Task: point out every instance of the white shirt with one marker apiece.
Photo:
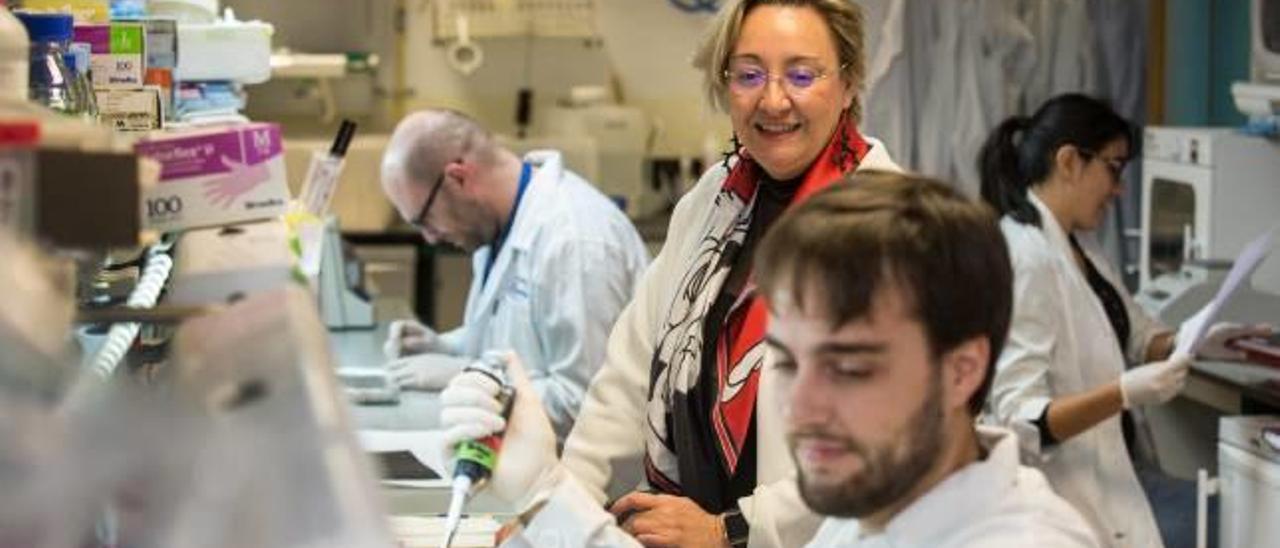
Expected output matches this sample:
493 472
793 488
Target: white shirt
992 503
995 502
570 264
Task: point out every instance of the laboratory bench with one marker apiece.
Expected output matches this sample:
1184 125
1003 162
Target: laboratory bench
416 411
1185 431
1235 388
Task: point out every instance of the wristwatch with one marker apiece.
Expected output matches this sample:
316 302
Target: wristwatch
736 528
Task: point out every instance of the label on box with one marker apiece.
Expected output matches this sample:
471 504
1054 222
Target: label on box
136 109
118 53
87 11
215 177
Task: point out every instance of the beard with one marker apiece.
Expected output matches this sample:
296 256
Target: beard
888 473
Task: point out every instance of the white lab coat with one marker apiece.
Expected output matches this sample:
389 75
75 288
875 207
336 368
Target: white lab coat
995 502
570 264
1061 343
605 448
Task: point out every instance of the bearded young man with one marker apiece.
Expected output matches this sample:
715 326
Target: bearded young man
889 299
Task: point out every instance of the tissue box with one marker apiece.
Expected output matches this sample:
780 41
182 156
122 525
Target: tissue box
216 176
118 53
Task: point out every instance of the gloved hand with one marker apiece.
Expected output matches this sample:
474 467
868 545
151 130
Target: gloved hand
527 464
1214 346
425 371
1155 382
409 337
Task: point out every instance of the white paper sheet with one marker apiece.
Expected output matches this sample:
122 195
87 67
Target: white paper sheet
1241 271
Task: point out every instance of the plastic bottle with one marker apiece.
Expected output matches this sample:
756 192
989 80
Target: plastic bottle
52 83
14 57
79 68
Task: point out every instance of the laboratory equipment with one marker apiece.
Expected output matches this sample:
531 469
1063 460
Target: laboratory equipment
78 66
621 136
322 177
344 302
1205 194
475 460
185 11
1265 34
15 57
369 386
1249 481
128 9
225 49
50 81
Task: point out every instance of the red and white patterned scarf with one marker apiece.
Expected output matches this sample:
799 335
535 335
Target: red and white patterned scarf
677 360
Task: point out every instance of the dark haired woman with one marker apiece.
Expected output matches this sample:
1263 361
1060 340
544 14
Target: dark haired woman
1065 368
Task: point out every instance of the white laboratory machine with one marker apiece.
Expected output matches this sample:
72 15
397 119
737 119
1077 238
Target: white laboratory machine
620 137
1249 481
1206 192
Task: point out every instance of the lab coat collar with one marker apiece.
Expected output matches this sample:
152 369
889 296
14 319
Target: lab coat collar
1053 231
966 496
548 167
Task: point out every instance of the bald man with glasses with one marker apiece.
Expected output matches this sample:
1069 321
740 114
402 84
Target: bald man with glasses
553 259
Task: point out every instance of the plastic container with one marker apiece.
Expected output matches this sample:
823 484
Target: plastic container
128 9
226 50
15 48
52 83
185 11
78 64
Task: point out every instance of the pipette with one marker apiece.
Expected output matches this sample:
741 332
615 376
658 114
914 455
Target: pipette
476 459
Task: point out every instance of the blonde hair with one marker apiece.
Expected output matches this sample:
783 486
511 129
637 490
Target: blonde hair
843 17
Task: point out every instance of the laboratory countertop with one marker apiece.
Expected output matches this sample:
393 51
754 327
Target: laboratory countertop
362 348
1225 384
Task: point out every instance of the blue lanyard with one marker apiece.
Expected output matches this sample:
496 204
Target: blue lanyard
526 175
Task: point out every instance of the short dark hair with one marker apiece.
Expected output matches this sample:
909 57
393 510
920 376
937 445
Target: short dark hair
944 252
1019 152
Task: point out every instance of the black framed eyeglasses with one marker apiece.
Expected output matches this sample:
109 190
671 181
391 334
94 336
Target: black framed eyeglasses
1114 165
419 220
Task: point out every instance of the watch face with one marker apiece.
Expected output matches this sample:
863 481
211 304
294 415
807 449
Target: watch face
736 528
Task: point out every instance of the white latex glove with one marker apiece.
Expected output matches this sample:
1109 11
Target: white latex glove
1214 346
1155 382
425 371
408 337
527 464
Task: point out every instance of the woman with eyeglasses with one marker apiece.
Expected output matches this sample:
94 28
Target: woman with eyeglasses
687 359
1065 377
677 394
